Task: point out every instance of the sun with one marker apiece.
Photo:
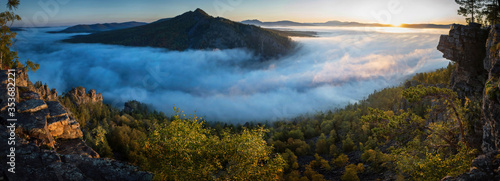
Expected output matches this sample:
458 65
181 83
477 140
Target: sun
396 24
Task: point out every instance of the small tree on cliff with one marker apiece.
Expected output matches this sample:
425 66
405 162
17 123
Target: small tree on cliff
470 7
9 58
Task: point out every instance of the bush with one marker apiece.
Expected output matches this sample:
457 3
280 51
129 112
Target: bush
351 172
348 145
322 146
376 158
186 150
296 134
319 162
333 150
340 161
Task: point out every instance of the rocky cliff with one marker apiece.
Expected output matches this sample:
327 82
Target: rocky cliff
476 54
47 141
79 96
465 46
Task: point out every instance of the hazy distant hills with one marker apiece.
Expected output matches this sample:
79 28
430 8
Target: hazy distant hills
196 30
160 20
276 23
100 27
16 29
339 23
425 26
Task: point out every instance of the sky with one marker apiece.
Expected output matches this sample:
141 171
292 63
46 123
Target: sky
41 13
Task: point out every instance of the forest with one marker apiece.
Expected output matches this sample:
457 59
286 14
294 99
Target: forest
419 130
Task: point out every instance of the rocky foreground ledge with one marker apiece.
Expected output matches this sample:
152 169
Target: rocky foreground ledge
45 143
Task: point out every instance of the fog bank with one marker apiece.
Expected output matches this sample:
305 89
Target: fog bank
341 66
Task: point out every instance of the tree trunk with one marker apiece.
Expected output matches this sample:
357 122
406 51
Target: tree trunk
472 9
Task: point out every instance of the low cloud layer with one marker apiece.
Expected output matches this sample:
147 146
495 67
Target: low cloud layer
341 66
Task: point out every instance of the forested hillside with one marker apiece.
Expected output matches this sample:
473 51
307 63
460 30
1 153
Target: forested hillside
92 28
198 30
401 132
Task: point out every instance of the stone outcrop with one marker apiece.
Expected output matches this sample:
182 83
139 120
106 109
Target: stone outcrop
35 163
75 147
465 46
46 93
43 91
39 120
491 98
31 106
478 72
60 124
48 140
79 96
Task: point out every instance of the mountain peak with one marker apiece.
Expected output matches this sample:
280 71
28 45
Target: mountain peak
197 30
200 11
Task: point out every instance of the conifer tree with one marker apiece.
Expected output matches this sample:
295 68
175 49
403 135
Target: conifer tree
470 7
9 58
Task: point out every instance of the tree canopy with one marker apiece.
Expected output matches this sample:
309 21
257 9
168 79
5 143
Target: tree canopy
480 11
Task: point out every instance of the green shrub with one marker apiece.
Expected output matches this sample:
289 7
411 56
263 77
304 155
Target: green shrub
351 172
340 161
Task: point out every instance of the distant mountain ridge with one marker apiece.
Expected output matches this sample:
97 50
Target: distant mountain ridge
196 30
339 23
92 28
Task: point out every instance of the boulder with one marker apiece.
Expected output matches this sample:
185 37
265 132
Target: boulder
56 109
34 126
64 128
59 123
29 95
34 163
75 147
31 106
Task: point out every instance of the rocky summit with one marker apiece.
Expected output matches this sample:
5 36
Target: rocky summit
48 140
79 96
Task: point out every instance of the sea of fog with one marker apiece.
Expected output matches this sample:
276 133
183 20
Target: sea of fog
341 66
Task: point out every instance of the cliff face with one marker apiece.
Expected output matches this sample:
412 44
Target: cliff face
476 54
491 98
48 141
465 46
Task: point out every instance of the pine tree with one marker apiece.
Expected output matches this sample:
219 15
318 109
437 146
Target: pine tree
492 11
9 58
470 7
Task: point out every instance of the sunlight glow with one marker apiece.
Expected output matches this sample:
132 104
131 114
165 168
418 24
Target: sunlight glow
397 24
